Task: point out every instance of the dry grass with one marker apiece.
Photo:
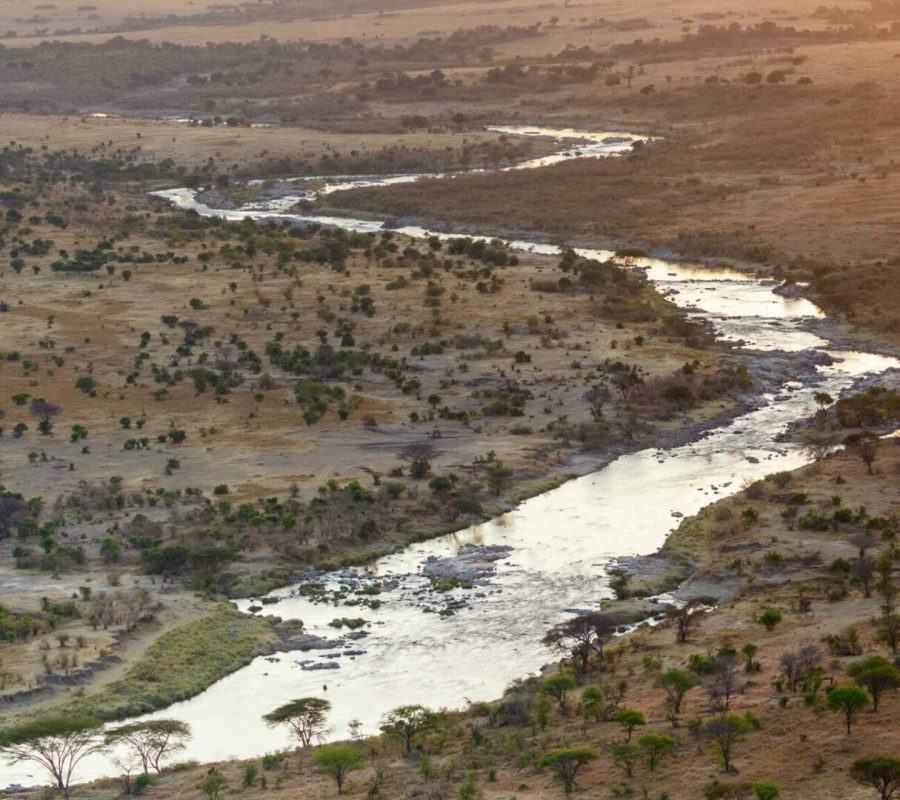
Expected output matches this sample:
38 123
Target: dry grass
181 663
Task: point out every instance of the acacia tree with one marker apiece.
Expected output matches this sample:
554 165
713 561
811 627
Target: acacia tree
305 717
676 683
405 722
629 719
558 686
151 741
876 674
581 637
593 702
57 743
882 773
627 381
725 731
419 456
656 747
45 413
567 763
625 755
848 700
338 760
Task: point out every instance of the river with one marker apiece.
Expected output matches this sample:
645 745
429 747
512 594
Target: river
562 541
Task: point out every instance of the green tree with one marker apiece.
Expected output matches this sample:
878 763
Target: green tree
79 432
877 675
749 651
499 476
766 791
882 773
405 722
305 717
110 551
212 783
593 702
724 732
338 760
629 719
567 762
676 683
248 774
770 617
56 743
87 385
558 686
540 711
656 747
625 756
848 700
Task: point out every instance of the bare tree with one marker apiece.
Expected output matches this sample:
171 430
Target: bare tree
684 618
596 397
12 511
725 682
797 666
419 455
863 570
865 444
45 412
815 443
863 541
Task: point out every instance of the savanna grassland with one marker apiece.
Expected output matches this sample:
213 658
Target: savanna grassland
194 409
209 406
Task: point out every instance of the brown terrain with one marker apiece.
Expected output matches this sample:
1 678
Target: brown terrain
240 401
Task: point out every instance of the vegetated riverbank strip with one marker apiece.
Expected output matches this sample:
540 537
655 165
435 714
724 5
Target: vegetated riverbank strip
179 665
767 370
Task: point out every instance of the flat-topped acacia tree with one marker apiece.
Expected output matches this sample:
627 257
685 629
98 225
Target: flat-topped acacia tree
567 763
151 741
56 743
882 773
405 722
305 717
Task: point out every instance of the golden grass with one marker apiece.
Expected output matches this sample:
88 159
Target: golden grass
180 664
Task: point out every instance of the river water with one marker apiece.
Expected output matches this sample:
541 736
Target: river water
562 541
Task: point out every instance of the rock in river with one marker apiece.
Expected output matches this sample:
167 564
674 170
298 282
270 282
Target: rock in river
471 563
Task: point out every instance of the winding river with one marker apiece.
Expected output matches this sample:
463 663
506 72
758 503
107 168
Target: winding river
562 542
